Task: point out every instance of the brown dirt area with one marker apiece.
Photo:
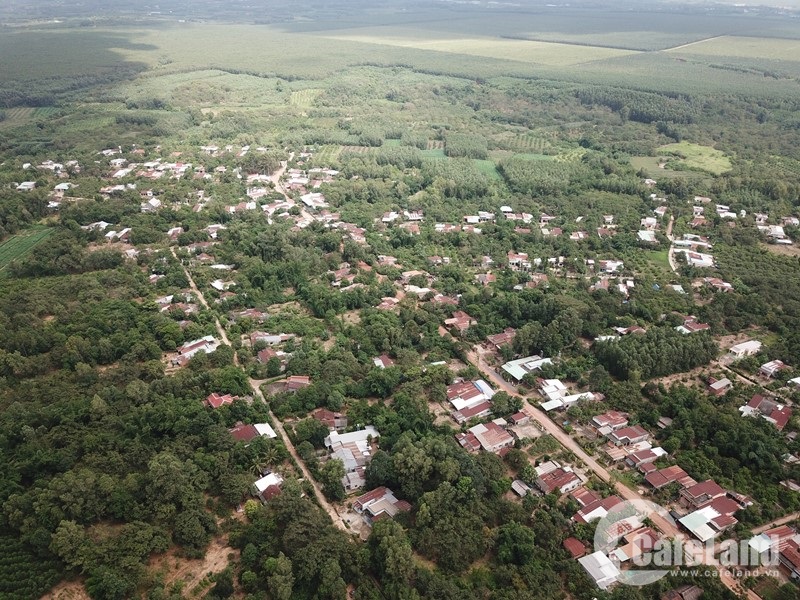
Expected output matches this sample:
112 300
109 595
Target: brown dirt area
192 571
782 250
67 590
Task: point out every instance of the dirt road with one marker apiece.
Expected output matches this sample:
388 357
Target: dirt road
256 385
668 528
323 502
781 521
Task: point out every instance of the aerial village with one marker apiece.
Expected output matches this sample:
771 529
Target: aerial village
500 390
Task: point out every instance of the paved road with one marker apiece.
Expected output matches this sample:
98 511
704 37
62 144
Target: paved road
256 385
669 529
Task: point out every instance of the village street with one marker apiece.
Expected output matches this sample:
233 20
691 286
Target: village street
667 527
278 426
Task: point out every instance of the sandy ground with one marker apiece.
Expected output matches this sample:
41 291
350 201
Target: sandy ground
782 250
67 590
192 571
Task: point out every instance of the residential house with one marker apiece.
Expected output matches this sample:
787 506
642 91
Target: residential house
691 325
649 237
492 437
696 259
628 435
790 559
268 486
610 266
517 369
637 459
519 261
269 339
684 592
460 321
378 504
718 387
609 421
296 382
777 414
748 348
469 393
701 494
215 400
334 421
485 278
649 223
562 480
596 509
769 543
355 452
718 284
207 344
772 368
575 547
267 354
663 477
520 488
247 433
505 338
601 569
382 361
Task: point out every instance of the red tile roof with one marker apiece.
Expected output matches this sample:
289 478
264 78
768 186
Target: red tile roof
244 433
216 400
575 547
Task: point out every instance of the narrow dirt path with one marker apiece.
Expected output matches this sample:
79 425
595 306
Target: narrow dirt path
323 502
256 385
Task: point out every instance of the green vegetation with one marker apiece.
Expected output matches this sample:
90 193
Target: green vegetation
20 245
113 462
696 157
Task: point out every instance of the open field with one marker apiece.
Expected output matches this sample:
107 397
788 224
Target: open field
460 47
542 53
745 47
656 167
694 156
21 244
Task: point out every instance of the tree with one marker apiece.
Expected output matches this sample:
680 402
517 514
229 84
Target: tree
392 555
280 580
330 476
72 545
223 587
515 544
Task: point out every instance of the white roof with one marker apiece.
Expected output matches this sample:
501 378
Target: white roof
600 568
760 543
551 405
748 346
266 430
352 437
268 480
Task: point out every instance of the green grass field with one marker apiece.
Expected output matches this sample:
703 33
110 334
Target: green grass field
660 258
20 245
744 47
697 157
487 167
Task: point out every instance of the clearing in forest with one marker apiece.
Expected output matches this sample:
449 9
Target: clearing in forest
696 157
21 244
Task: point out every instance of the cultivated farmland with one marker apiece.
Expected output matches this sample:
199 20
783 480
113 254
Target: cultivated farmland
21 244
